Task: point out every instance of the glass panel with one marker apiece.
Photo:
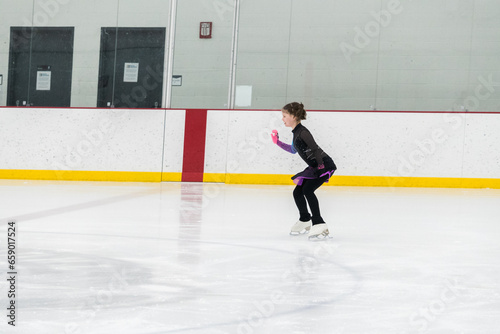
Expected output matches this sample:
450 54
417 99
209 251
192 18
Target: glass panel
203 64
50 67
64 50
365 54
88 19
358 54
141 51
424 55
14 14
484 83
19 72
290 52
131 67
263 54
320 74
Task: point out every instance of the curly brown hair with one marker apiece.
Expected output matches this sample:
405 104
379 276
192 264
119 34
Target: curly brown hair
296 109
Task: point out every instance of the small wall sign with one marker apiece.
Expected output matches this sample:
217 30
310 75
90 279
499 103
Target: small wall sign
205 29
176 80
131 72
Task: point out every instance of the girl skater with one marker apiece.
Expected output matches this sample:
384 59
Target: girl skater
321 168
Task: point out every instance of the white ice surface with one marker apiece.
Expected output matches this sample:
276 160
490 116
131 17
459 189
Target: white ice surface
211 258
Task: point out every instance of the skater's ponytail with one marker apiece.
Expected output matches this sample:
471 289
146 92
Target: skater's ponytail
296 109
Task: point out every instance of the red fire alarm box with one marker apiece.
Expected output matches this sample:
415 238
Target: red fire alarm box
205 29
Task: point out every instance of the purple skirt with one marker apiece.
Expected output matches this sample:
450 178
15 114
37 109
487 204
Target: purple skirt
309 173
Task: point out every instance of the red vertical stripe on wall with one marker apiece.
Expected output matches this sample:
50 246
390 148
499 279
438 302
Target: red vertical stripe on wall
194 145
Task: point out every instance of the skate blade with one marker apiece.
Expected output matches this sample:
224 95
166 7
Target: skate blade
318 237
304 231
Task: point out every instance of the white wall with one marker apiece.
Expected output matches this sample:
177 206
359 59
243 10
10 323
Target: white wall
238 142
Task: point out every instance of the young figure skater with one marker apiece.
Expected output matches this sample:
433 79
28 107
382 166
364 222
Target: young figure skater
321 168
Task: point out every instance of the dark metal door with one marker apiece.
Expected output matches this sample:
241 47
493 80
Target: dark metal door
40 66
131 67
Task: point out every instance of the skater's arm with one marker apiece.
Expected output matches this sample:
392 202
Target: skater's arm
286 147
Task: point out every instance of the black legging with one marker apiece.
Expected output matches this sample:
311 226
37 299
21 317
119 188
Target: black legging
306 191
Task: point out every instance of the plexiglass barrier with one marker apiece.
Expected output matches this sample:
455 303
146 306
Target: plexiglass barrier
251 54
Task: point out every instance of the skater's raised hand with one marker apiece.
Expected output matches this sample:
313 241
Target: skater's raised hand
286 147
274 136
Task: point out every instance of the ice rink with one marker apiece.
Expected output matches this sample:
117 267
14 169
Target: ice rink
213 258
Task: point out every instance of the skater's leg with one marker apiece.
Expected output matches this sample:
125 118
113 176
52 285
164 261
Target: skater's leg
301 203
304 223
309 187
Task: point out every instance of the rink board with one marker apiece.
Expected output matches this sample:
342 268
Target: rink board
393 149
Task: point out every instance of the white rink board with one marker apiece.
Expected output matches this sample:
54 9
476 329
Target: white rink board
250 148
81 139
361 143
482 146
382 144
216 141
174 141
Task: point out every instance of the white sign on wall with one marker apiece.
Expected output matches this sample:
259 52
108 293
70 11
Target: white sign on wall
43 79
176 80
131 72
243 96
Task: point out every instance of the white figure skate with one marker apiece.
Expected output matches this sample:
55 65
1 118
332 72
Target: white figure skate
319 232
300 227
